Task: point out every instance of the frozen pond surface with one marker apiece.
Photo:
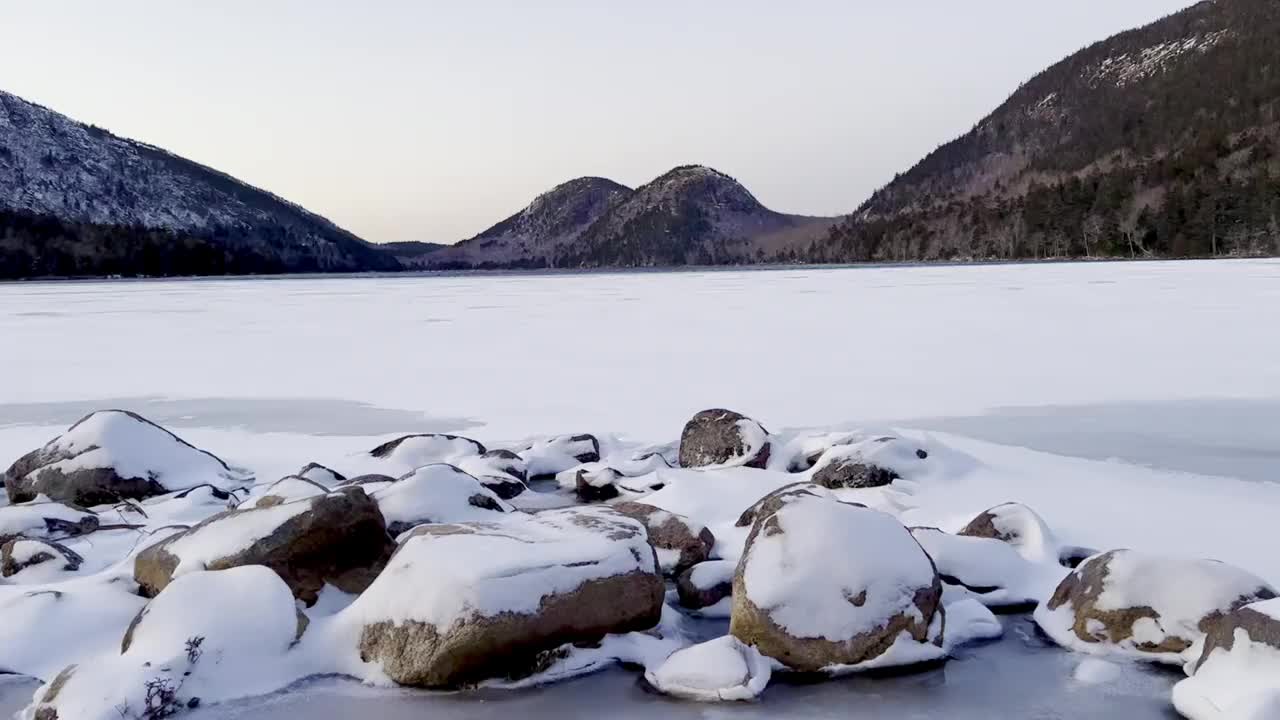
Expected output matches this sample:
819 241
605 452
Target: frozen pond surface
1167 365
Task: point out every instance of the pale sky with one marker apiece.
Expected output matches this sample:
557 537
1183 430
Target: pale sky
426 120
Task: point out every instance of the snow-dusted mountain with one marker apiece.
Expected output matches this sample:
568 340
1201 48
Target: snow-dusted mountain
1160 141
94 184
535 236
690 215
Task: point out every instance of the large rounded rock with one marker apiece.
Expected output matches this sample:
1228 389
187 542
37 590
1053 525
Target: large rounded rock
463 602
339 538
678 541
871 463
114 455
825 586
403 454
550 457
207 637
719 438
1236 671
437 494
1145 606
774 501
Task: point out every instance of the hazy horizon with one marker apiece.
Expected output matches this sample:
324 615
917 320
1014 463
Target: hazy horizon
433 121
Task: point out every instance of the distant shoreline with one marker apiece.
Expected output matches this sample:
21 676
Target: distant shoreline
552 272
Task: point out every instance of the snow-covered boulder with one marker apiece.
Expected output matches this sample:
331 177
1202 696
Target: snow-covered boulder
990 570
872 463
318 473
407 452
1020 527
371 482
20 554
802 452
112 455
678 541
339 538
706 585
550 457
437 494
776 499
208 636
507 462
502 471
723 438
596 485
720 669
286 489
825 586
1145 606
463 602
1236 674
45 520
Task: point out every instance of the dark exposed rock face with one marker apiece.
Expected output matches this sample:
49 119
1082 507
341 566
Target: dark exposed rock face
339 538
720 437
705 584
679 541
1221 634
850 473
75 468
596 486
20 553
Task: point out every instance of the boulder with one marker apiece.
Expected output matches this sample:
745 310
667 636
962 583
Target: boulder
771 502
1020 527
371 482
1143 606
437 494
802 452
509 463
286 489
871 463
989 570
825 586
716 670
45 520
678 541
339 538
407 452
318 473
463 602
207 637
502 471
706 584
1235 671
550 457
114 455
596 485
723 438
19 554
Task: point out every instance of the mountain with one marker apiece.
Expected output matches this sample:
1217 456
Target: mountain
410 251
1160 141
690 215
77 200
535 236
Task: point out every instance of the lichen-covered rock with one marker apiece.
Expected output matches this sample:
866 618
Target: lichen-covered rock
208 636
43 520
19 554
706 584
463 602
437 494
113 455
1145 606
723 438
825 586
339 538
678 541
1235 671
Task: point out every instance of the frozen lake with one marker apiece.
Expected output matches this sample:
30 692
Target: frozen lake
1171 366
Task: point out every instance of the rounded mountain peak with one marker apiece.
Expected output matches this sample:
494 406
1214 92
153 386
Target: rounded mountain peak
700 184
